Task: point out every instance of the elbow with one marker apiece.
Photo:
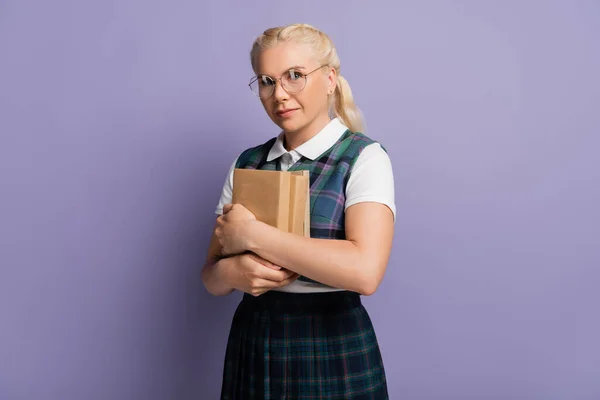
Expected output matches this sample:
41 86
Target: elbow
206 281
216 290
368 281
369 268
368 289
216 293
211 284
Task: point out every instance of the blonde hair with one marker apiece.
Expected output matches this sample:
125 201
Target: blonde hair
342 105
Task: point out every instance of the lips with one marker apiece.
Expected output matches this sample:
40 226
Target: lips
286 112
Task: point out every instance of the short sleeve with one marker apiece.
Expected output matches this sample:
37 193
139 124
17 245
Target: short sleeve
227 192
372 179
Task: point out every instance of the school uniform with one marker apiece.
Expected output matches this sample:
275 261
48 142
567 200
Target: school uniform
308 340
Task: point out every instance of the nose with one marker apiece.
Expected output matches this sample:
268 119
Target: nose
279 92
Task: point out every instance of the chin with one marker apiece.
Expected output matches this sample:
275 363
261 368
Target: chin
290 125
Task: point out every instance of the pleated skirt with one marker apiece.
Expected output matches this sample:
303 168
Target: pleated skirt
303 346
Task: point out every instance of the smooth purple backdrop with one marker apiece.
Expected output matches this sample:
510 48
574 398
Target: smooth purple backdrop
119 120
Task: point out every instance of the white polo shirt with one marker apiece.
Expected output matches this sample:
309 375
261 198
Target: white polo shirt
371 179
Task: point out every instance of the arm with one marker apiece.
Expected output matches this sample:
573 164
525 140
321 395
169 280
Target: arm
357 263
244 272
213 276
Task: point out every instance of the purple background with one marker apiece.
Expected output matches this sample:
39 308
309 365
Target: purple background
119 119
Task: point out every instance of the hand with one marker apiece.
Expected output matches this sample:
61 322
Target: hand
232 229
254 275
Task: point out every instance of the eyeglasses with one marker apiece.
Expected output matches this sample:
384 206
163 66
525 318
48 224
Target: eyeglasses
292 81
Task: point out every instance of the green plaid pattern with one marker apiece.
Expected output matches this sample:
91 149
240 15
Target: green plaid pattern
303 347
329 175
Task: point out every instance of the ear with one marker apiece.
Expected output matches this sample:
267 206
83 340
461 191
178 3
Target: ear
331 80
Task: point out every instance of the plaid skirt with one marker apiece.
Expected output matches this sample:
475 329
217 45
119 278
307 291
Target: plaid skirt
303 346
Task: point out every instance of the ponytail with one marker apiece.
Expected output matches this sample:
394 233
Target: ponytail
344 107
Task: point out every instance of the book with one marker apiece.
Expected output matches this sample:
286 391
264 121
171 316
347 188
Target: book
300 203
277 198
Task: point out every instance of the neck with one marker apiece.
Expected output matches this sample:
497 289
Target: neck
296 138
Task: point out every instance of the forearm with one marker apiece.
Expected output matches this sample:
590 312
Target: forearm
338 263
213 279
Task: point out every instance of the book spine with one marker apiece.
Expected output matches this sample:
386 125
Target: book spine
283 202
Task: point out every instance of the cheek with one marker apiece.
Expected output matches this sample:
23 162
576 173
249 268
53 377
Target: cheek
313 100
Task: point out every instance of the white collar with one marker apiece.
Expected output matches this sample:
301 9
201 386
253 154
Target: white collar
313 147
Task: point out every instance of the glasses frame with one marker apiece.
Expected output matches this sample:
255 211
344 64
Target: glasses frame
305 76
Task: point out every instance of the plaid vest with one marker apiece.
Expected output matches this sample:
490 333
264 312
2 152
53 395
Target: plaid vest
329 175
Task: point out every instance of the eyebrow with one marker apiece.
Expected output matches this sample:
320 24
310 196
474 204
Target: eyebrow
292 67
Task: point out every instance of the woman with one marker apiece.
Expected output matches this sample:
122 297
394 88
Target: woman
300 330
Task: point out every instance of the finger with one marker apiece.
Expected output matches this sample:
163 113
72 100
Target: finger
259 284
275 276
272 272
257 293
289 280
227 208
264 262
269 285
264 272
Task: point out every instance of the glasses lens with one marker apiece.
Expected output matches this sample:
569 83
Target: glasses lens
256 87
262 86
293 81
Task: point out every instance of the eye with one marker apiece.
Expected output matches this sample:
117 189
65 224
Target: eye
266 80
295 75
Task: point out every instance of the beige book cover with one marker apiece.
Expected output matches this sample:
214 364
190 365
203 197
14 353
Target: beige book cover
300 203
278 198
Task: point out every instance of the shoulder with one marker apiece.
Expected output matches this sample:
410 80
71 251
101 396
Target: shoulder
373 152
373 165
353 144
372 178
356 139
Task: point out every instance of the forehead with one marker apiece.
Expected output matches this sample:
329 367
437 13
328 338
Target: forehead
278 59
